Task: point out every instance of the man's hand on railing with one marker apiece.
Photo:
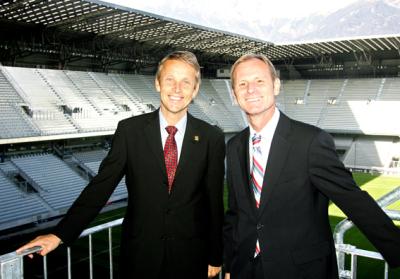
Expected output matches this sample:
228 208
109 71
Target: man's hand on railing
213 271
48 242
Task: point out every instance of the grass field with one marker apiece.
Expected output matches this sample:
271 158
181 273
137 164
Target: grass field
376 186
367 269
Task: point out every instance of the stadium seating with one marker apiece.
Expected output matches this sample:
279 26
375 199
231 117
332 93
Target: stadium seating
390 89
13 122
42 101
224 91
11 199
361 114
55 188
59 184
92 160
367 154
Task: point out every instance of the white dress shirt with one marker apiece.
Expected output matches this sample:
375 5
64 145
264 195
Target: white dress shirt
267 133
181 126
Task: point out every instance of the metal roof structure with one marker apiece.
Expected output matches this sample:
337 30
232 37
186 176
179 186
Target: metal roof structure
113 21
339 46
150 36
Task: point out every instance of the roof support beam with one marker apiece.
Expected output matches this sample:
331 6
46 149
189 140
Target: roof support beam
134 28
87 18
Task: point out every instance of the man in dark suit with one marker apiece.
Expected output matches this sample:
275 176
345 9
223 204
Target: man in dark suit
174 169
281 175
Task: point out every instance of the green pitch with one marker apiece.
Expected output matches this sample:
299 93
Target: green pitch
376 186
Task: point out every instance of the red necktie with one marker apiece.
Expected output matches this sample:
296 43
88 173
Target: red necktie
171 155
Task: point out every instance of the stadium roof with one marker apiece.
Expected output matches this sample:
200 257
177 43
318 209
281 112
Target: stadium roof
100 36
117 22
113 21
341 46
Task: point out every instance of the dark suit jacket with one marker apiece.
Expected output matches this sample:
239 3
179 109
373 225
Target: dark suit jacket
184 227
303 173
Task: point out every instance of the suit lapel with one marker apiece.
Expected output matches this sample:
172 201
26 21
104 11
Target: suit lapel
276 160
244 161
189 139
153 136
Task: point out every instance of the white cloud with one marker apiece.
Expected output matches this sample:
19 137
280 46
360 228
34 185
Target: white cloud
237 16
260 10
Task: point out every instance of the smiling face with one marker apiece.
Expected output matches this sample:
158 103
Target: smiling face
255 89
177 86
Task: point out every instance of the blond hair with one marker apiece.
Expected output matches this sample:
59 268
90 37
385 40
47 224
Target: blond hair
250 56
184 56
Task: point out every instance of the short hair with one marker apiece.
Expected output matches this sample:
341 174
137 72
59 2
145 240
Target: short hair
250 56
184 56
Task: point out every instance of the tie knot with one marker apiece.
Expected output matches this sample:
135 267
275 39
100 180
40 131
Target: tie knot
171 130
256 139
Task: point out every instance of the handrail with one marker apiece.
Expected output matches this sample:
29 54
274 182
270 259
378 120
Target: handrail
11 264
343 226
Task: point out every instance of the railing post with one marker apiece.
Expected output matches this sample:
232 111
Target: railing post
11 266
110 247
69 263
45 267
353 266
90 257
386 272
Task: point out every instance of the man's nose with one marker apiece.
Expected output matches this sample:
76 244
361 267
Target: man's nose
178 87
251 87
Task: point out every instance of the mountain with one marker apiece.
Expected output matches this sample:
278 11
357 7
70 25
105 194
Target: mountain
362 18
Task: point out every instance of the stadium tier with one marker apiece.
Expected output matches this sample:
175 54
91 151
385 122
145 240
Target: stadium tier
48 193
37 103
40 102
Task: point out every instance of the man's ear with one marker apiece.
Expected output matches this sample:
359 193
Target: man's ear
277 86
196 90
235 101
157 85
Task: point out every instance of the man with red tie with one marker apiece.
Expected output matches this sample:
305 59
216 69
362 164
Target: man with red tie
174 169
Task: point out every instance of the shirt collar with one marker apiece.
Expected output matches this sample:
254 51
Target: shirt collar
181 125
269 129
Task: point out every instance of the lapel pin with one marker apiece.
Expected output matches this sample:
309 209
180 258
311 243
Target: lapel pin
196 138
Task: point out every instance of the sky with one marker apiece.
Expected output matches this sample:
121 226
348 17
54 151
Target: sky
254 10
244 17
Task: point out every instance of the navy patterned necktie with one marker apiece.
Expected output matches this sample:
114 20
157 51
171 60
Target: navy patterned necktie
257 176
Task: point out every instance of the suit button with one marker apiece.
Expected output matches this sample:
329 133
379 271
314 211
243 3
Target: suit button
166 238
259 226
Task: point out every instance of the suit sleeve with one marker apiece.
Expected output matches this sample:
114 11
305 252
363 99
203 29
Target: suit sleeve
230 219
215 182
97 192
330 176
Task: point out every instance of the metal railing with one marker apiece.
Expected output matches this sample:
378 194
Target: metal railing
12 267
342 249
12 264
354 253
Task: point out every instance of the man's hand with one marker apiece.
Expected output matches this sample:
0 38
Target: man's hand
48 242
227 276
213 271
